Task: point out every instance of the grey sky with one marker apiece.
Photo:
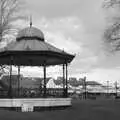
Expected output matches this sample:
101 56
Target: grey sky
77 26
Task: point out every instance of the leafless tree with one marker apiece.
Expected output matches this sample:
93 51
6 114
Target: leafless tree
111 3
9 13
112 32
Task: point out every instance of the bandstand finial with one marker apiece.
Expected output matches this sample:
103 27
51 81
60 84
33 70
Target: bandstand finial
30 20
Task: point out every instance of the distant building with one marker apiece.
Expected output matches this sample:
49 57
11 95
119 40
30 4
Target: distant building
59 78
5 80
72 79
53 84
74 85
25 82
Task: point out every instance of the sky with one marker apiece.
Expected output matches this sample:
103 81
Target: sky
77 26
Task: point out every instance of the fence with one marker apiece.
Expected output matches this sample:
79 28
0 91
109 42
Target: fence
33 93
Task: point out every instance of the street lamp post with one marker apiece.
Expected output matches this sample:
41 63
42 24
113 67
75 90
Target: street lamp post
107 88
116 84
85 87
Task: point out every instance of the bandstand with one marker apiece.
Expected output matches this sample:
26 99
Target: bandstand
31 49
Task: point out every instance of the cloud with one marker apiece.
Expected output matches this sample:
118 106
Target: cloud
60 41
69 33
53 8
77 27
62 32
104 75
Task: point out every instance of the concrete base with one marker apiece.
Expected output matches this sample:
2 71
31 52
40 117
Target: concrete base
29 103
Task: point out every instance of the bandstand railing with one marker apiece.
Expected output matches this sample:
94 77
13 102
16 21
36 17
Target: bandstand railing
33 93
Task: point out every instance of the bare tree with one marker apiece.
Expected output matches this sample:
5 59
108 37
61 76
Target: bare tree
112 32
9 13
111 3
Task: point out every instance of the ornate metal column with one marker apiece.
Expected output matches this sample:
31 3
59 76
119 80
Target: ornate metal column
66 84
85 88
10 78
44 67
63 80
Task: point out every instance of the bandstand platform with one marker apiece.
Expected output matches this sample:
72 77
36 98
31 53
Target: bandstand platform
32 103
30 49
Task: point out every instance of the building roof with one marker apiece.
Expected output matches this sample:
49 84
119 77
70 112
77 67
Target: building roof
4 81
3 85
30 49
92 83
75 83
58 82
30 32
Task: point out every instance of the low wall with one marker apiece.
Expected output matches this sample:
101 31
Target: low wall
35 102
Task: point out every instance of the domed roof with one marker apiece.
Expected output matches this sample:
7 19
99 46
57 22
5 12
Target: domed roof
30 33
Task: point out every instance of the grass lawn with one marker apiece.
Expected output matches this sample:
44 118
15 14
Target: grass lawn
81 110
